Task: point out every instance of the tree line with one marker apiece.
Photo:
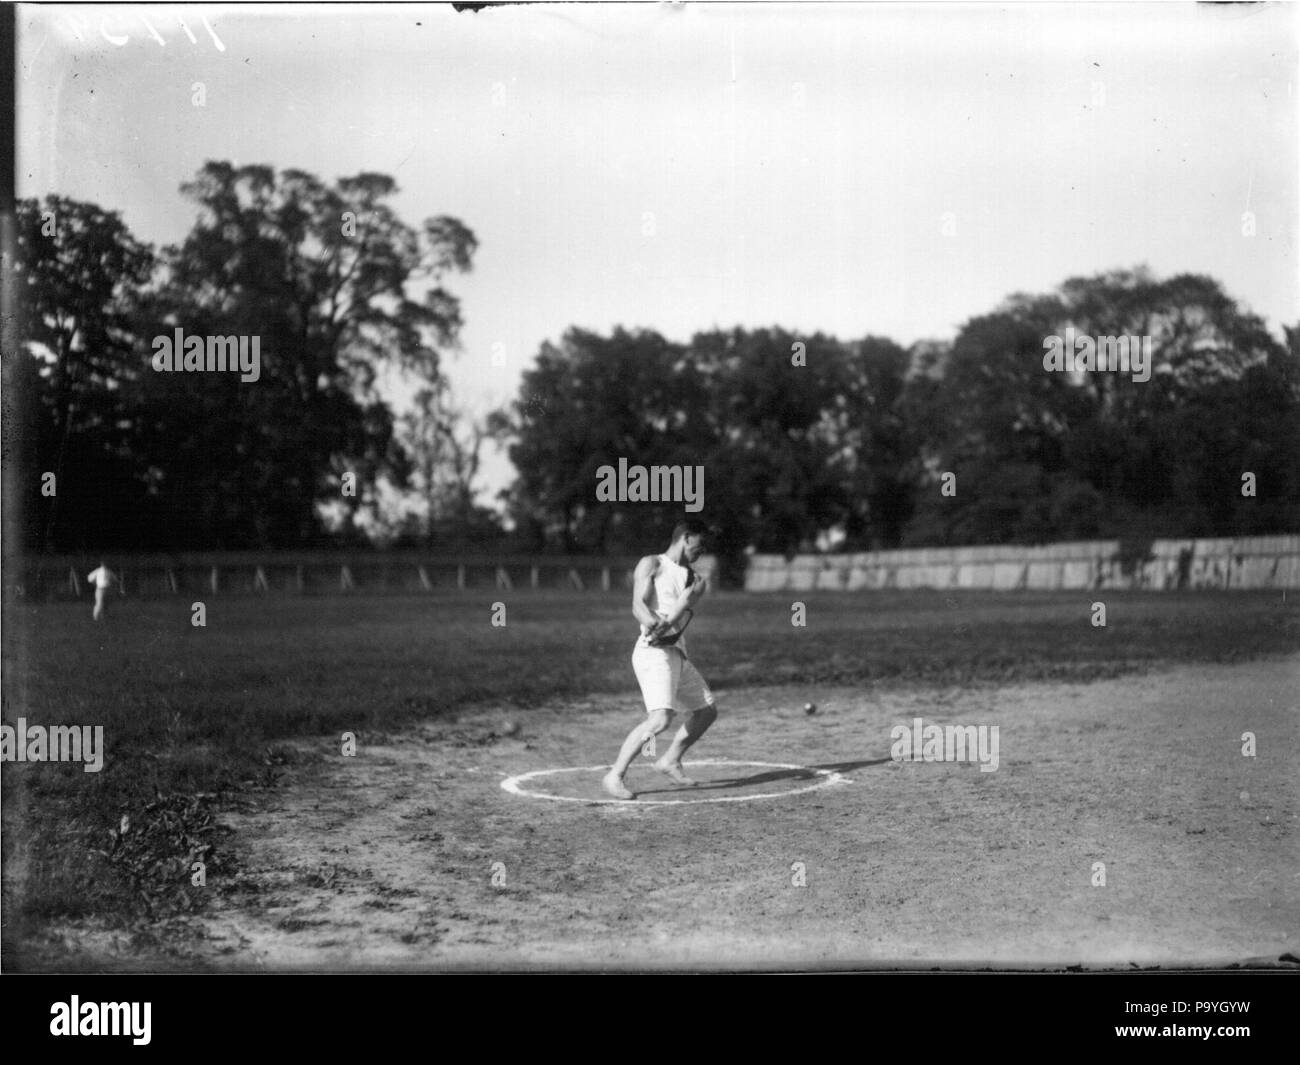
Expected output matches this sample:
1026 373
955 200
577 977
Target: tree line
971 441
343 296
803 440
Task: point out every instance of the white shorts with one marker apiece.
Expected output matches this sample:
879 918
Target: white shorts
669 679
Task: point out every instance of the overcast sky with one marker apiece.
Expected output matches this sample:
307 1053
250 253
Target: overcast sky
681 167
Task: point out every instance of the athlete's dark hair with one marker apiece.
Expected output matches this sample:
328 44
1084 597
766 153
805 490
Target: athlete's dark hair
689 527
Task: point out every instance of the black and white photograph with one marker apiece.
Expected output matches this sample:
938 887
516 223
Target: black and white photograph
652 487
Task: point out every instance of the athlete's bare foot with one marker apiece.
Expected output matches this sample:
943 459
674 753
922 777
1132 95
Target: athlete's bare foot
673 770
613 784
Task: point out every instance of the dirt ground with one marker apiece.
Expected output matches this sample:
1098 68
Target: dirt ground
389 859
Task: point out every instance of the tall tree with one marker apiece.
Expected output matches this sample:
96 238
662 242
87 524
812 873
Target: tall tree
1042 454
588 402
445 446
779 466
79 278
339 291
749 408
881 430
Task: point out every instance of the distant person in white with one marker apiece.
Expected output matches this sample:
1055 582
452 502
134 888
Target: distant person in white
103 579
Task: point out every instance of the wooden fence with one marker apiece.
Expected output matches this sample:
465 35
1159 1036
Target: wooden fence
246 573
1165 565
1254 562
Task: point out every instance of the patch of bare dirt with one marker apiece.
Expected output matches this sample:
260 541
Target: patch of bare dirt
411 855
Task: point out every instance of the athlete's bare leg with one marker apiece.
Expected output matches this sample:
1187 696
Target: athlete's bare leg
613 781
696 725
657 722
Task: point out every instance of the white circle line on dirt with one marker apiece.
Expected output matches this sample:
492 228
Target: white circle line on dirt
512 785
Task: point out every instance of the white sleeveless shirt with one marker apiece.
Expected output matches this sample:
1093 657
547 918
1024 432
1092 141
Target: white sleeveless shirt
667 589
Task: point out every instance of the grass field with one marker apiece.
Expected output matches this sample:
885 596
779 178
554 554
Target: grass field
1120 744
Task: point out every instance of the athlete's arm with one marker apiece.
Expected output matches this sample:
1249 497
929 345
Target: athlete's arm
697 589
675 615
643 589
686 602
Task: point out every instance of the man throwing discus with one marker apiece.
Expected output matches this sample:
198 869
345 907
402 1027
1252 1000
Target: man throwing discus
664 593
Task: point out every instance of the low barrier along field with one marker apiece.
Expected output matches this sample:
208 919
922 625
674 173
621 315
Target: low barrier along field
1255 562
